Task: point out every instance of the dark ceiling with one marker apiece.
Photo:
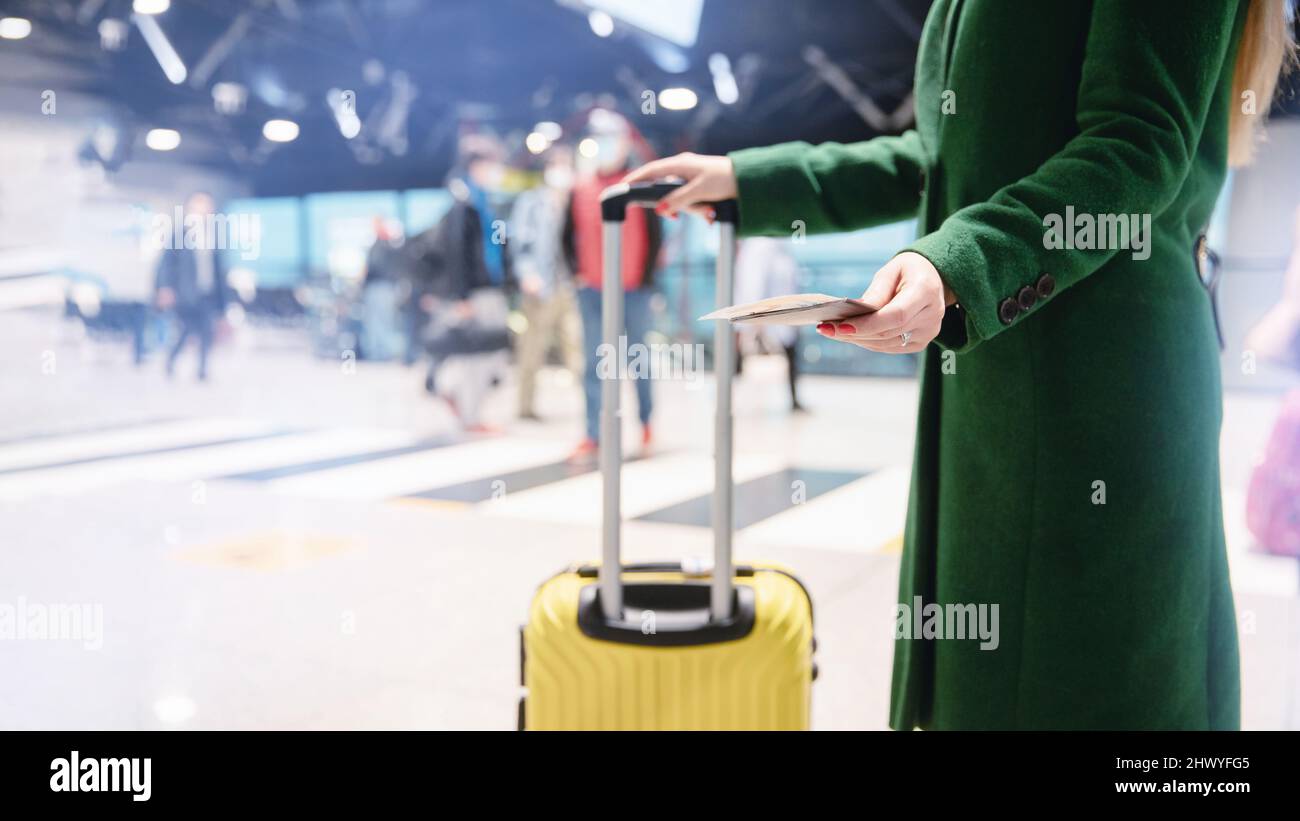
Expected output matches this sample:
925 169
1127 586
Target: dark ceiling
499 64
503 64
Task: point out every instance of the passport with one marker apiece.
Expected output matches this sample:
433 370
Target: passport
793 309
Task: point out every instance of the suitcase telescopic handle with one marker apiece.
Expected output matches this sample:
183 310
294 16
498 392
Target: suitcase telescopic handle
614 202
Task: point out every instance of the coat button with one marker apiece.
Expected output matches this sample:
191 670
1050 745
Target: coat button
1046 286
1008 311
1026 298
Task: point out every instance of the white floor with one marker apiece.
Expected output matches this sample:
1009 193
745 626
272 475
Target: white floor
331 598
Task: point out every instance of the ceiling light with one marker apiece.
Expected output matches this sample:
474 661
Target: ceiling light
280 131
724 82
589 148
536 142
162 139
168 60
343 104
229 98
677 99
601 23
112 34
551 131
15 28
150 6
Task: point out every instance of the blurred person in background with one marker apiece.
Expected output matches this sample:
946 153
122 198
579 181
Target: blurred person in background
1277 335
465 294
611 138
380 336
1067 453
766 268
191 284
545 282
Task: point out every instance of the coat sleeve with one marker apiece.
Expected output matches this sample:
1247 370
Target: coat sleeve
830 187
1148 79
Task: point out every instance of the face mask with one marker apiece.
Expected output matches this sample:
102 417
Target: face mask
558 177
610 154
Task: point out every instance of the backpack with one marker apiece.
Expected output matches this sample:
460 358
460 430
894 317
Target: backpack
1273 499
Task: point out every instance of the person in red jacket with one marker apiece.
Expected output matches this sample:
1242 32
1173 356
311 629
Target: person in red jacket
642 235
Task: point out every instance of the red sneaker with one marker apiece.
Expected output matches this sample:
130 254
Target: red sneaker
584 453
647 440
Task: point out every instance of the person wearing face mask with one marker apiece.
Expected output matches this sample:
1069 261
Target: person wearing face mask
464 273
642 236
545 282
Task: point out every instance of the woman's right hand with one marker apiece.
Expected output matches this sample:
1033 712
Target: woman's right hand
708 179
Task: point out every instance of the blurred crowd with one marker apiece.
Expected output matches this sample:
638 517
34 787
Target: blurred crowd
501 278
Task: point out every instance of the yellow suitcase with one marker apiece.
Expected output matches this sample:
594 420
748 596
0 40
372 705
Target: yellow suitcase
667 646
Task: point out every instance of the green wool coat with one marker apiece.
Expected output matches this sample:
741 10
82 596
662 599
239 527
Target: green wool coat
1066 464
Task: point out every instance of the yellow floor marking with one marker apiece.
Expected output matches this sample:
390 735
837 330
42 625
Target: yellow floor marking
892 546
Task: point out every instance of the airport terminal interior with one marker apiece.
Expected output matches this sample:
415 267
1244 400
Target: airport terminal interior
305 531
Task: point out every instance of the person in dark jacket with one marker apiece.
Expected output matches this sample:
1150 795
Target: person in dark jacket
191 283
466 270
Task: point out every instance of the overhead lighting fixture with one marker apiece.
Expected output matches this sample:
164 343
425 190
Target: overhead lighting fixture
15 28
601 23
151 6
112 34
536 142
677 99
589 148
229 98
551 131
724 82
672 21
343 104
167 58
162 139
280 131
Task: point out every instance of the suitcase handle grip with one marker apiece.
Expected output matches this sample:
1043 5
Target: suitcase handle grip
614 202
615 199
666 614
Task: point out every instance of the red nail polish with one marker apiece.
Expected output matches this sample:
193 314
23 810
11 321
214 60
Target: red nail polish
846 328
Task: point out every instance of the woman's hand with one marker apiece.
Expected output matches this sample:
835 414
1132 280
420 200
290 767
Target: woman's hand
708 179
913 300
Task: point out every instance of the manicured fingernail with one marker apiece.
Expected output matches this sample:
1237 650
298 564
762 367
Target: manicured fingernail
661 208
846 328
826 329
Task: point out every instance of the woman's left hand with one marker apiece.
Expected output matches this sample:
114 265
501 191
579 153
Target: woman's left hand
913 299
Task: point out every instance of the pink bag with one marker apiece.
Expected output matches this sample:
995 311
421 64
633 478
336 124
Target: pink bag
1273 500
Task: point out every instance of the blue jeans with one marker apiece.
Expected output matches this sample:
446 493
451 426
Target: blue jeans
636 319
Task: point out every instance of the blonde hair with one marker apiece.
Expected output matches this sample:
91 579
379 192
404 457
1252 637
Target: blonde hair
1267 50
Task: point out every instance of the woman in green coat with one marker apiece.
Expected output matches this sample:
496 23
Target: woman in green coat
1066 465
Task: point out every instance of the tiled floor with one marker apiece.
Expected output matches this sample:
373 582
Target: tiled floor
298 545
